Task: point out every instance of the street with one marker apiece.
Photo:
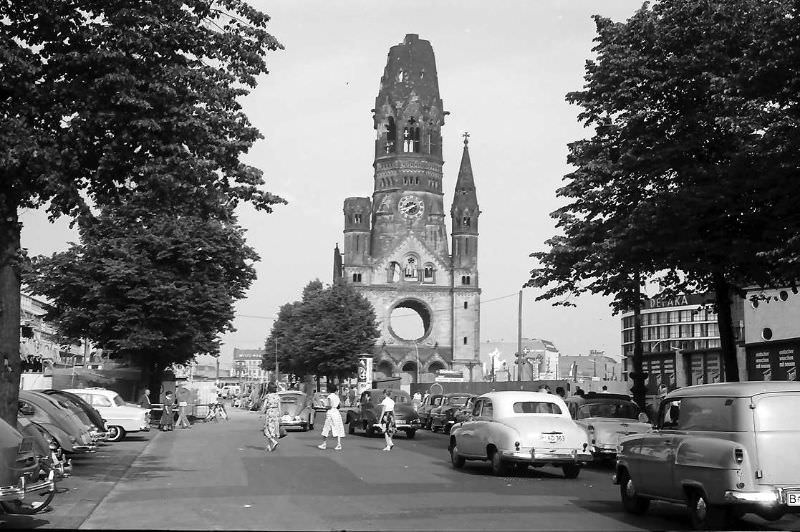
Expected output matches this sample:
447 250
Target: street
218 476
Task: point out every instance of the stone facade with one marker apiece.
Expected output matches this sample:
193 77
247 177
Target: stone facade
396 250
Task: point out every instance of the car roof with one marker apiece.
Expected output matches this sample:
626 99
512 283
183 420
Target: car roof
101 391
458 394
735 389
514 395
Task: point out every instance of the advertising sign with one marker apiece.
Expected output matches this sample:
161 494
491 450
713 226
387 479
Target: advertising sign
773 363
364 373
661 371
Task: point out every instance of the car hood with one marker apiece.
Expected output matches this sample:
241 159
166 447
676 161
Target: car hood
605 425
531 428
122 412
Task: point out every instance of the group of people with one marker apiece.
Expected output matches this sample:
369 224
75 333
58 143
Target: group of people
168 405
333 427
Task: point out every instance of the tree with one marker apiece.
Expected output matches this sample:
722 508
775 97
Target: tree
101 98
324 333
679 151
155 287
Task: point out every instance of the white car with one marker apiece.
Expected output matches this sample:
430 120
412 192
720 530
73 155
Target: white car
121 417
522 428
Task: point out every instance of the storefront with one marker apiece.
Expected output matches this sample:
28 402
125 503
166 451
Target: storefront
776 361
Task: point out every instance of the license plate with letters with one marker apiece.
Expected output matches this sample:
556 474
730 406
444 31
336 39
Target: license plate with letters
553 438
793 498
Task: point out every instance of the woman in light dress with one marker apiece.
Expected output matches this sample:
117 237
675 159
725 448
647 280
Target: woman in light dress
333 420
272 412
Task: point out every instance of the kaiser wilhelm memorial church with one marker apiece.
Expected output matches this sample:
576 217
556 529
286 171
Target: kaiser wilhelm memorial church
396 251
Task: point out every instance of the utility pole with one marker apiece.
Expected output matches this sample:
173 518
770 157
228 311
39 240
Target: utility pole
277 373
519 339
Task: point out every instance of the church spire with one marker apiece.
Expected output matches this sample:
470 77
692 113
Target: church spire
464 211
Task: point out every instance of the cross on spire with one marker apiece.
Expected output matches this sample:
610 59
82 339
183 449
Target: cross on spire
466 137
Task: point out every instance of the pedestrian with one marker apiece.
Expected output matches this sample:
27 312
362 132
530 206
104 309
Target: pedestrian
560 392
144 399
168 407
542 388
387 419
579 392
352 395
271 409
416 400
333 420
183 403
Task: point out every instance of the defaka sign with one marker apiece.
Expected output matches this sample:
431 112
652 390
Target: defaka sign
774 362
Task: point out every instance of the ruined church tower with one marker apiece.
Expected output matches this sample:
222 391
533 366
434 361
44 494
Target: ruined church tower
395 243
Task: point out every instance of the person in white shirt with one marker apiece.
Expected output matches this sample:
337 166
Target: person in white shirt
387 420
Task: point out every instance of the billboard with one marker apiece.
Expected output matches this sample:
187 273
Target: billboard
776 362
364 373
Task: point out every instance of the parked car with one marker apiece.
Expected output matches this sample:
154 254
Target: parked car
444 416
67 430
24 486
83 410
607 417
121 417
50 454
522 428
424 409
320 401
295 410
365 416
722 449
464 413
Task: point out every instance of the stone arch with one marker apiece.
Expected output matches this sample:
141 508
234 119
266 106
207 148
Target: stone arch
384 367
421 308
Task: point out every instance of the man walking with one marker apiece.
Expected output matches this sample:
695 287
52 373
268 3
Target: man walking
183 403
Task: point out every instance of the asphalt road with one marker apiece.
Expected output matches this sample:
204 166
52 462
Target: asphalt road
218 476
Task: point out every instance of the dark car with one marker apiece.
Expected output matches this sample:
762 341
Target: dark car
65 428
365 416
444 416
85 411
424 410
25 486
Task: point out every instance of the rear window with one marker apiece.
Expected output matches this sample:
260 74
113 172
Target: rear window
536 407
459 401
610 409
118 400
400 399
778 413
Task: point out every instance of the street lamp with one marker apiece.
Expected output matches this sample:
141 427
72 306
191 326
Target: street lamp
277 374
416 351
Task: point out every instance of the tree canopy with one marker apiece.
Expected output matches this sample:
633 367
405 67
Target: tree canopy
102 98
688 176
323 333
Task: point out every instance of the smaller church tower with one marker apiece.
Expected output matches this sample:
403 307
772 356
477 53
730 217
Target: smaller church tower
357 215
466 291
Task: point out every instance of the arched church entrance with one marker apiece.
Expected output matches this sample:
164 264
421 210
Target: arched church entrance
408 373
383 370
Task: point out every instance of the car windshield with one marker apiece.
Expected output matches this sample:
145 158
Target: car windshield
459 401
612 409
536 407
118 400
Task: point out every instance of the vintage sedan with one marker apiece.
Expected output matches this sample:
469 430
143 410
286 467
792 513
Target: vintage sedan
522 428
67 430
365 416
296 411
25 486
121 417
46 448
73 404
444 417
425 408
721 449
99 424
606 418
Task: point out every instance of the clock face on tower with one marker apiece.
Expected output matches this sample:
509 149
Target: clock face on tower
410 206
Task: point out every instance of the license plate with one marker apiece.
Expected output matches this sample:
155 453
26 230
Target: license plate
553 438
793 498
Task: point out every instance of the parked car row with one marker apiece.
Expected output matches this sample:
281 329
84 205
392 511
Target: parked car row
53 425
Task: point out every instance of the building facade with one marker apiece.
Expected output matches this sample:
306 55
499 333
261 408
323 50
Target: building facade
396 251
247 364
40 345
771 347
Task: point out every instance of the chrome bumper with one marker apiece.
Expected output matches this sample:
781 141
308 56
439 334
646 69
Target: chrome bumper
565 456
772 497
15 493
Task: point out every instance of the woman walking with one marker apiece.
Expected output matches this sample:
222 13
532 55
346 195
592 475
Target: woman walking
387 420
166 423
333 420
272 412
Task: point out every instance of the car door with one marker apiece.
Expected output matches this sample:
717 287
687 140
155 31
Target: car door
466 434
653 473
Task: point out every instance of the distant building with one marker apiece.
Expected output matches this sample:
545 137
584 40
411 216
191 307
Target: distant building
498 358
247 364
39 345
594 365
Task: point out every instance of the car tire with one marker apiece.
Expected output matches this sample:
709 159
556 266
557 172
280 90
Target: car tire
115 433
705 516
351 427
631 502
499 467
370 430
571 470
410 433
457 460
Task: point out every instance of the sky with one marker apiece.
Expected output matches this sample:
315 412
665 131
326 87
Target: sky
504 69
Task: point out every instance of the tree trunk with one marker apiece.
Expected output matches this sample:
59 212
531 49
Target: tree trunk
639 390
10 365
722 293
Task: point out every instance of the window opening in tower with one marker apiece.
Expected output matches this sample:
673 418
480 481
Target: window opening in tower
466 221
391 135
400 75
411 268
411 137
428 273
